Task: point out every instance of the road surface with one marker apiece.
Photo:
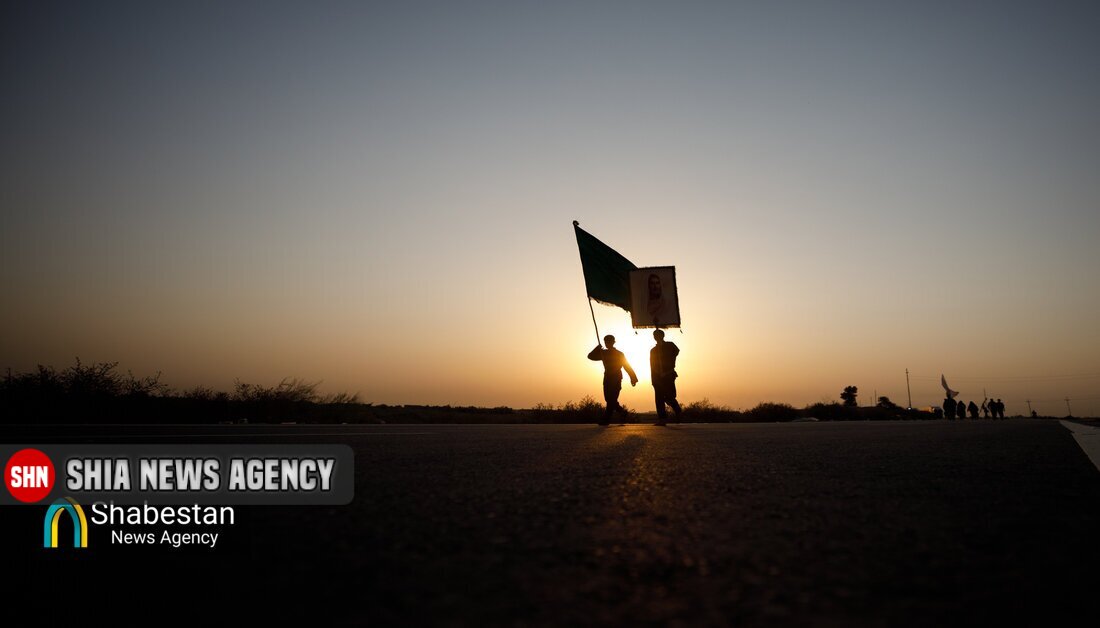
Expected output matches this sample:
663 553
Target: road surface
861 523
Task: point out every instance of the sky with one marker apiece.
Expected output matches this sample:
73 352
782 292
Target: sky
380 196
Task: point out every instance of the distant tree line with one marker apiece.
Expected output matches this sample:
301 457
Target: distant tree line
99 393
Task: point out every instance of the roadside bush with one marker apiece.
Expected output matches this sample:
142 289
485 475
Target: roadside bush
832 412
587 410
773 412
703 411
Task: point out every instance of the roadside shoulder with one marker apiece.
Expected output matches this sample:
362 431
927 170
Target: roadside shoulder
1087 437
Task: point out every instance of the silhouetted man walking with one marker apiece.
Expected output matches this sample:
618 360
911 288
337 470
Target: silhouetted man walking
662 368
949 408
613 364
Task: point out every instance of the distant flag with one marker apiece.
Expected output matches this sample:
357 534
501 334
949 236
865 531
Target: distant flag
606 272
950 393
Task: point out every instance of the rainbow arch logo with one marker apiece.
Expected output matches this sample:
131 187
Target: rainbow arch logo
53 515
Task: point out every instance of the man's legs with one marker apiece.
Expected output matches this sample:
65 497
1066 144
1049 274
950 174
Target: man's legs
675 405
611 388
670 397
664 392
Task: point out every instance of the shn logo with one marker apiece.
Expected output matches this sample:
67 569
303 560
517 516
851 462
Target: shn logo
53 516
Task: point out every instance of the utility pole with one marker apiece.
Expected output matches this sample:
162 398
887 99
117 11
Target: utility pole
1069 412
907 390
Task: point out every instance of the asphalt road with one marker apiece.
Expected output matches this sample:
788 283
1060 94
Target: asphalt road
894 523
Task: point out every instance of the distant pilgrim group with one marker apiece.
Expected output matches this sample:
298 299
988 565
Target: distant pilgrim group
957 409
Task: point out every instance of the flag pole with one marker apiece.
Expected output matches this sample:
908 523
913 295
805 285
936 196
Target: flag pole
591 310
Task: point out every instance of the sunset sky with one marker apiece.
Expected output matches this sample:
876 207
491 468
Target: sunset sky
380 196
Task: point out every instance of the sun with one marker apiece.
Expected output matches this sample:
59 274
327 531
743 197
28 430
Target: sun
636 345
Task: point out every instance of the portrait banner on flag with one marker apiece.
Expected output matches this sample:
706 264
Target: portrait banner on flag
653 298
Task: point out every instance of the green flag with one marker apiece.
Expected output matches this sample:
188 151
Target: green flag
606 273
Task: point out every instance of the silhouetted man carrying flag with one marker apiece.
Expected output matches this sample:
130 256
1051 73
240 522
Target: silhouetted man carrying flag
613 364
662 368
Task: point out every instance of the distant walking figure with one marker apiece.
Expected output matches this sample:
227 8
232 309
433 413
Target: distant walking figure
613 364
985 409
662 368
999 409
949 408
961 410
972 408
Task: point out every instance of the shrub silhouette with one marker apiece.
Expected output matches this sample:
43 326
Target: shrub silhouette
703 411
832 411
773 412
97 392
587 410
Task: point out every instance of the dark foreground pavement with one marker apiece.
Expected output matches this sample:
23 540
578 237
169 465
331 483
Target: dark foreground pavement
898 523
